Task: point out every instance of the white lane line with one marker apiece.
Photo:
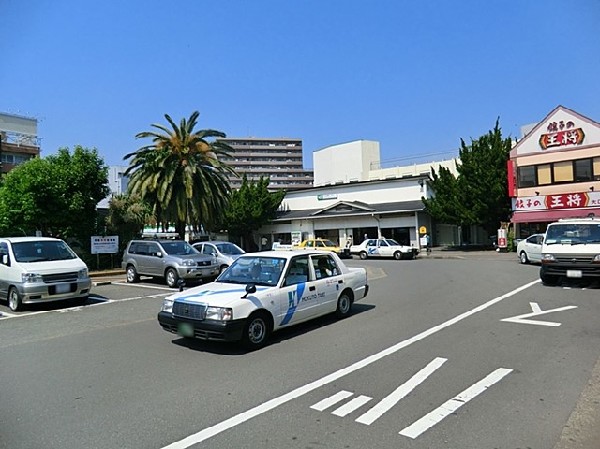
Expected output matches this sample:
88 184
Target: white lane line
352 405
389 401
450 406
331 400
128 284
271 404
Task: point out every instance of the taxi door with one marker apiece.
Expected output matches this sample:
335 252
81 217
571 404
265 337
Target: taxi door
329 281
298 299
384 249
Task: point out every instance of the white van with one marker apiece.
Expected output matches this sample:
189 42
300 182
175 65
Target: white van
571 249
40 269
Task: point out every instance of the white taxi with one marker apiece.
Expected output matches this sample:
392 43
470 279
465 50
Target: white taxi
383 248
263 292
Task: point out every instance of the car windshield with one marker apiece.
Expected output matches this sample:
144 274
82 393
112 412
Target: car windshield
229 248
573 234
392 242
254 270
328 243
178 248
42 251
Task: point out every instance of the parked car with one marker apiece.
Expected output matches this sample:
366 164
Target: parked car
40 269
171 260
225 252
263 292
383 248
530 249
323 245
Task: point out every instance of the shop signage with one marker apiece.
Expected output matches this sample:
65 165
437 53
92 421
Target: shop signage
561 134
560 201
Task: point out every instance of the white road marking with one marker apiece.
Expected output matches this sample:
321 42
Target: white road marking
271 404
450 406
352 405
332 400
129 284
536 310
389 401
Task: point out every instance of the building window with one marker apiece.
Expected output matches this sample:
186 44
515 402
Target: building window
563 171
596 166
583 170
526 176
544 174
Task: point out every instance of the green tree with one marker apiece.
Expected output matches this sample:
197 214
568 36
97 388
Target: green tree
479 194
180 176
250 208
56 195
127 215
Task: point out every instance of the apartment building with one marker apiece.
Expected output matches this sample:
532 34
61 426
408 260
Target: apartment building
279 159
18 140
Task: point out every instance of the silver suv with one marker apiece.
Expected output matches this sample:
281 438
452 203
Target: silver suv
225 252
171 260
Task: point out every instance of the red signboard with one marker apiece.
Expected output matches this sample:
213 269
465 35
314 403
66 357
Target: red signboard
562 138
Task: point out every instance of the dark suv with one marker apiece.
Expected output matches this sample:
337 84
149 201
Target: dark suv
171 260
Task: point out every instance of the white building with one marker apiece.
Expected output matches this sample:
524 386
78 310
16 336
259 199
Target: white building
117 183
352 200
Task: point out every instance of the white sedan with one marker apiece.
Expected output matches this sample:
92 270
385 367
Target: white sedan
263 292
383 248
530 249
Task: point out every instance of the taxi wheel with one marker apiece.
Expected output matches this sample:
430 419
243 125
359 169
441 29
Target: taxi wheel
256 331
14 300
363 255
344 305
397 255
171 277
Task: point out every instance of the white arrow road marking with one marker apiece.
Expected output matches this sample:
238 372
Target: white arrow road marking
535 311
450 406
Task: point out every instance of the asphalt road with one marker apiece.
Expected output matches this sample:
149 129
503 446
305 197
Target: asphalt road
443 353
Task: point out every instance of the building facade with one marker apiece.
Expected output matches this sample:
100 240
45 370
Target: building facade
278 159
554 172
370 202
19 141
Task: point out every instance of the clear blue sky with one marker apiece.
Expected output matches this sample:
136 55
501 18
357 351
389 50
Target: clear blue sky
416 76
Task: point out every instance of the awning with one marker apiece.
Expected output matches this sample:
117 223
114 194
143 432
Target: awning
553 215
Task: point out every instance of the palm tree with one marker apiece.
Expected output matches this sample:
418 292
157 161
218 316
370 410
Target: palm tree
180 175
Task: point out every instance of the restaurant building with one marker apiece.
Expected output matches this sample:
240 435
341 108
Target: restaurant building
554 172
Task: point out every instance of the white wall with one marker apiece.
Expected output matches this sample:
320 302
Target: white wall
345 162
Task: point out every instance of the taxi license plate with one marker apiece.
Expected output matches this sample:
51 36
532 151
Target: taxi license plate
574 273
185 329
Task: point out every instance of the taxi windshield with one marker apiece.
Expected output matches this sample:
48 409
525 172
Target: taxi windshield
254 270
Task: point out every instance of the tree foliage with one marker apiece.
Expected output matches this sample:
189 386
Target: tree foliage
179 174
250 208
478 195
127 215
56 195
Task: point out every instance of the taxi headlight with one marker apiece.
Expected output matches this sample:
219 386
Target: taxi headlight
31 277
167 305
596 259
219 313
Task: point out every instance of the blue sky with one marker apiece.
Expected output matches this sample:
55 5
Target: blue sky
415 76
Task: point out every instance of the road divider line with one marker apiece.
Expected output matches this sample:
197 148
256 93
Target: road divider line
452 405
401 392
271 404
